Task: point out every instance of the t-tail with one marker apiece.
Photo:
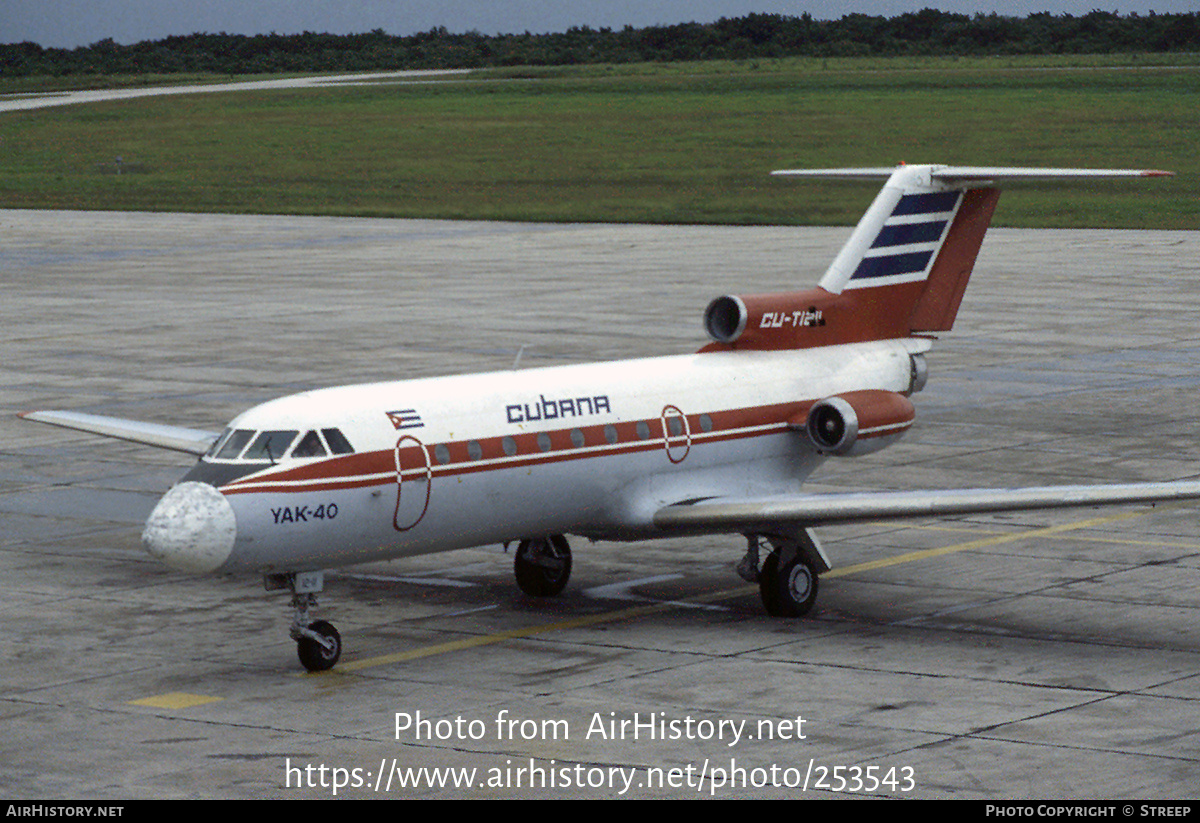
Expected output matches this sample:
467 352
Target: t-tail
902 272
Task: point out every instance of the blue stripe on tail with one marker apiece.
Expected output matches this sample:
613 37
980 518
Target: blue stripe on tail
908 239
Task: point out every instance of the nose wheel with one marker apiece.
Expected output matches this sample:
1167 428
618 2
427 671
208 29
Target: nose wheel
318 644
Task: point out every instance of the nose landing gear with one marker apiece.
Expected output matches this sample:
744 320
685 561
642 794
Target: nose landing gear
318 644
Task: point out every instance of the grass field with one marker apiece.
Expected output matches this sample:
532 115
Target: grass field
681 143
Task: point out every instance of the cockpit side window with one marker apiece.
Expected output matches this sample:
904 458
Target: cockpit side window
220 441
309 446
338 444
234 444
270 445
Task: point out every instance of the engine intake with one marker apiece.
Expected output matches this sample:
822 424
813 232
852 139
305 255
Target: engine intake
858 422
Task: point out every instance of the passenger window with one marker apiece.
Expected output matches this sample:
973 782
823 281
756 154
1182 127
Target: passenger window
706 423
441 453
577 438
643 430
270 445
309 446
543 441
234 444
338 444
610 433
510 446
474 450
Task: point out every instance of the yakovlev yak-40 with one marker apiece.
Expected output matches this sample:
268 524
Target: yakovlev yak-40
719 441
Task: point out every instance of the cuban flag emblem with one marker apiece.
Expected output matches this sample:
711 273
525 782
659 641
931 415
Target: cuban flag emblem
405 419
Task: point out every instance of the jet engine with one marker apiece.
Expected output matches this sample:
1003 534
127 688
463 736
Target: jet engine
771 321
858 422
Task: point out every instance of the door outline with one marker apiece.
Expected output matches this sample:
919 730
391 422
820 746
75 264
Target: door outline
672 441
403 524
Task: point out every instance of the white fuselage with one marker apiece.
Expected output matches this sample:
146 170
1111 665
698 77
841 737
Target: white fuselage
451 462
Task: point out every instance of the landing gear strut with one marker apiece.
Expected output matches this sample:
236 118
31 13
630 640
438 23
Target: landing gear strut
318 644
543 565
789 577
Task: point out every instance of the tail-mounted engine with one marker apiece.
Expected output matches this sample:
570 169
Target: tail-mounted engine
802 319
858 422
770 321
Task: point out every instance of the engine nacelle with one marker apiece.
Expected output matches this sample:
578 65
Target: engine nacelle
801 320
858 422
769 321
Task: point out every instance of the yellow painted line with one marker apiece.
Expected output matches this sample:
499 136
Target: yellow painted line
1164 544
175 700
964 529
498 637
724 594
983 543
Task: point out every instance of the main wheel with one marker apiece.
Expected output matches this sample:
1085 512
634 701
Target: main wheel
543 565
789 590
314 656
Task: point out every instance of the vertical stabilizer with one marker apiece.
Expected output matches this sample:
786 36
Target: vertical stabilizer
898 238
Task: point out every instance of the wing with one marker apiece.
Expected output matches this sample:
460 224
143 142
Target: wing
760 514
176 438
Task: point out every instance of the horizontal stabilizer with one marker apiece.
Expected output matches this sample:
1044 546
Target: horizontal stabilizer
982 174
176 438
728 515
958 174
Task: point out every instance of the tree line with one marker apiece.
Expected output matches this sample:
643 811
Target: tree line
926 32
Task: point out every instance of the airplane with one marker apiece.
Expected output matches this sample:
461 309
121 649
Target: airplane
719 441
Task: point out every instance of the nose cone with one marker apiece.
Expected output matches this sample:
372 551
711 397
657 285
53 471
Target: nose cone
192 529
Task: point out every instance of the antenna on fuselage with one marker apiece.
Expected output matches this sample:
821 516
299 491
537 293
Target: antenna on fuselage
520 351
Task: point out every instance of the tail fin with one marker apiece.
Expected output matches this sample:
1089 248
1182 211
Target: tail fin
903 270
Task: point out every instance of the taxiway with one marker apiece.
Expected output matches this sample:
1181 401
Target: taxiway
1045 655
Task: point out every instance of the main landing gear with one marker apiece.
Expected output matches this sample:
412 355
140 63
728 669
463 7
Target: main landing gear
543 565
788 578
318 644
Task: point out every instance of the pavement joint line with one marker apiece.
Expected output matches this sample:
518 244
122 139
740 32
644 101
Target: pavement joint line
724 594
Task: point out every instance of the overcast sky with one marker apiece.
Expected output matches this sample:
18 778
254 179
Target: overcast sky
70 23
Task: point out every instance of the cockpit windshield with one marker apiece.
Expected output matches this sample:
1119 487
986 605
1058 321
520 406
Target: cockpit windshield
270 445
273 445
234 444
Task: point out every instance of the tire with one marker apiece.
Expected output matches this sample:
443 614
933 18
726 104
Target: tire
790 590
543 566
314 656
